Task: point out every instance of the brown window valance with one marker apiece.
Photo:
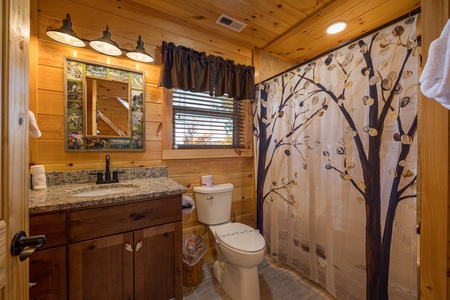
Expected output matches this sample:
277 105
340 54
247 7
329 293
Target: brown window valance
186 69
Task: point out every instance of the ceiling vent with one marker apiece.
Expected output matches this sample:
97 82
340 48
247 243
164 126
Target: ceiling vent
231 23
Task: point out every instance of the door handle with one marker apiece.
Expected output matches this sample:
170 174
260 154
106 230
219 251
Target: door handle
24 246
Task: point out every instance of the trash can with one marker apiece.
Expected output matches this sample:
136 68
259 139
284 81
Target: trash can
194 247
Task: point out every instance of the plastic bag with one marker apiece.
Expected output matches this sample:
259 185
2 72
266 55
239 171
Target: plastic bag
194 247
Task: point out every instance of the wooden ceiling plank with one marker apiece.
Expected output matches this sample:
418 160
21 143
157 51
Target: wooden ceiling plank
364 24
281 11
165 22
197 14
315 32
376 17
307 7
253 15
327 15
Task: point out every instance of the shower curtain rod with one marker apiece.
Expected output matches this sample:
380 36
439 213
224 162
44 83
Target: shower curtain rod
411 13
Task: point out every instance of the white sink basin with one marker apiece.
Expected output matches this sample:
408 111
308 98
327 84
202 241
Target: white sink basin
104 191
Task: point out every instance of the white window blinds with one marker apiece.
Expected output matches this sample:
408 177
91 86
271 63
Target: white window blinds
202 121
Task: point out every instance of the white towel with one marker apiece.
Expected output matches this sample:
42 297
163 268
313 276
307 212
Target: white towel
38 178
435 77
32 125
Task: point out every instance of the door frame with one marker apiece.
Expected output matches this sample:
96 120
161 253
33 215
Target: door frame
15 37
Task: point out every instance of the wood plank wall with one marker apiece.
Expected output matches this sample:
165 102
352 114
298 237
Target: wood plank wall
47 102
433 162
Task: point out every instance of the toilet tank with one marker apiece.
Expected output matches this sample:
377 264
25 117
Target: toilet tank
214 203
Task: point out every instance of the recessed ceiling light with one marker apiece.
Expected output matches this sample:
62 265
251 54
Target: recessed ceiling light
336 27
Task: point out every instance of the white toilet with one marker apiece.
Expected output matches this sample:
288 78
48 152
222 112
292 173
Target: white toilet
240 248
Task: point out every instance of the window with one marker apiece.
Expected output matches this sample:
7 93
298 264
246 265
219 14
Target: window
202 121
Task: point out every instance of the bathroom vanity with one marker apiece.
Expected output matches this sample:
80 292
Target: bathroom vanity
122 245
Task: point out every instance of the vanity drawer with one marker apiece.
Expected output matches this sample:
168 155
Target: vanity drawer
107 220
52 225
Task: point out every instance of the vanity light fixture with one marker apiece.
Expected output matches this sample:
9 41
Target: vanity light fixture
336 27
139 53
104 44
65 34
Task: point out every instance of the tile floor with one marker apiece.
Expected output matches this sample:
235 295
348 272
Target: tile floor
276 281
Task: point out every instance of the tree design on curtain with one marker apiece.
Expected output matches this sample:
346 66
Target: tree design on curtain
300 97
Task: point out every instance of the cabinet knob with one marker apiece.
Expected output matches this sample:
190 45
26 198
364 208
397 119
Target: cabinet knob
128 247
31 284
138 246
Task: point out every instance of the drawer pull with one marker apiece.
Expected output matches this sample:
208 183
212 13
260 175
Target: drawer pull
128 247
138 246
136 217
31 284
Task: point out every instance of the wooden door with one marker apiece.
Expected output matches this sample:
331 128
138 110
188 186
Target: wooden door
102 269
158 267
15 28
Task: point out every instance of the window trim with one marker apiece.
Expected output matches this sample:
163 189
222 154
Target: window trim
169 153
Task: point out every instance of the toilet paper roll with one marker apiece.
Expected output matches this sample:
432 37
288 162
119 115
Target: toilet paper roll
38 178
207 181
188 204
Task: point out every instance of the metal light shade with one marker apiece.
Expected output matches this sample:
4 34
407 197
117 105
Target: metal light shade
65 34
139 53
105 45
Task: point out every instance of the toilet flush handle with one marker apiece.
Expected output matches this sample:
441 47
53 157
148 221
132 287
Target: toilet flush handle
209 198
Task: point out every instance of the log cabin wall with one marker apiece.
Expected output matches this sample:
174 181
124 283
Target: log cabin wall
47 101
433 166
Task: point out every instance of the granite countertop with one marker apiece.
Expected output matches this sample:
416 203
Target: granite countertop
60 195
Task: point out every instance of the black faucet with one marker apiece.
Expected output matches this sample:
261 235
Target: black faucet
107 173
108 179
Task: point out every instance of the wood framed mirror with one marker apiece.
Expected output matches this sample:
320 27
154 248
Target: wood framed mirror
104 108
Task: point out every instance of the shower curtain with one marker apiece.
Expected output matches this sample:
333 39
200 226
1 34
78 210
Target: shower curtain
336 161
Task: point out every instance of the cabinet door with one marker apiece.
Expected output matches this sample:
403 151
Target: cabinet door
102 268
158 265
48 274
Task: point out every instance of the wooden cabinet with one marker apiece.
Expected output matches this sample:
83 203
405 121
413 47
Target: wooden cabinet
157 258
123 251
48 274
102 268
145 261
48 265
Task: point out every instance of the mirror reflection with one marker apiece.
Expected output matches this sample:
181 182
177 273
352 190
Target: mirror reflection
107 104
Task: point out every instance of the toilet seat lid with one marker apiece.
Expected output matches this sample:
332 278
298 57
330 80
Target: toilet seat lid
240 237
